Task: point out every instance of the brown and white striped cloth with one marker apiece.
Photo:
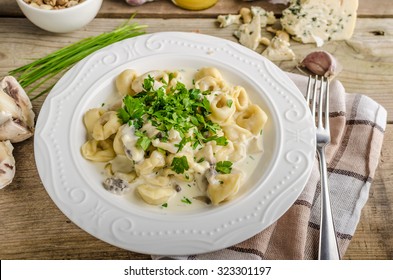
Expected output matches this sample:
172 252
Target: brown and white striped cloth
357 129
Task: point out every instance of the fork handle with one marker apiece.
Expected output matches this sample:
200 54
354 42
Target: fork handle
328 249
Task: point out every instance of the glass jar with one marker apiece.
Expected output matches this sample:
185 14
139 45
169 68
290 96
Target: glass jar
195 4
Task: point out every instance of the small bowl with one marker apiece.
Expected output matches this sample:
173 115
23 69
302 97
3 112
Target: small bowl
64 20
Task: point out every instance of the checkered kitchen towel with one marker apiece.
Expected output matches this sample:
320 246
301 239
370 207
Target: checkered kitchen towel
357 129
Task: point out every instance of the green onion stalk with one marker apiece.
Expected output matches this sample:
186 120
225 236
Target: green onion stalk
35 74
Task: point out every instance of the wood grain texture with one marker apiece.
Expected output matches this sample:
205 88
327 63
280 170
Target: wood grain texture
166 9
31 225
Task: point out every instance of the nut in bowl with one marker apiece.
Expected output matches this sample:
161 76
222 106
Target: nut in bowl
60 16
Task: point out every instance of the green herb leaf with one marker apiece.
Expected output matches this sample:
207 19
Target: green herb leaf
224 167
180 164
186 200
143 142
229 103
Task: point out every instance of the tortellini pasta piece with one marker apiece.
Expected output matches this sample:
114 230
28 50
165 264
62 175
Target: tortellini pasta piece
252 119
159 180
106 126
236 133
91 117
210 83
147 166
124 81
175 77
160 78
98 150
122 164
155 195
227 186
239 152
174 139
240 98
221 108
208 72
118 145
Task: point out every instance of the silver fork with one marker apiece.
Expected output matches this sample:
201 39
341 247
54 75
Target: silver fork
318 100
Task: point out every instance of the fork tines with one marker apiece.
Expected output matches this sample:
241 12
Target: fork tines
318 95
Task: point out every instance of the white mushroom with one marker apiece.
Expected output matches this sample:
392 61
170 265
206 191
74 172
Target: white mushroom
16 114
7 164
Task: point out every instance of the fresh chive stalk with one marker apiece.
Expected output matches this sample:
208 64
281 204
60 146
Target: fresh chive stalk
35 74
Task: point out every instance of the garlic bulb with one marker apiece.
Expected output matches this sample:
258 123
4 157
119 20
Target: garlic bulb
16 114
7 163
321 63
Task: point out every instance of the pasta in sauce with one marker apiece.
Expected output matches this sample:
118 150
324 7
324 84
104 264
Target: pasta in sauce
165 137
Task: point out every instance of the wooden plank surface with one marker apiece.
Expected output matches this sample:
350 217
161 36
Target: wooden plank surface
32 227
165 8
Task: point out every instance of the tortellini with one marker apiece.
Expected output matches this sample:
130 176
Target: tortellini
98 150
161 163
226 187
252 119
124 82
105 126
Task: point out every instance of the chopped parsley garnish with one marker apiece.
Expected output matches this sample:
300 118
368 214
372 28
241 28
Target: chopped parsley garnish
165 205
224 167
184 110
180 164
143 141
186 200
229 103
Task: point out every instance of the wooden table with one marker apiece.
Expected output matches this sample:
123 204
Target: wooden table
32 227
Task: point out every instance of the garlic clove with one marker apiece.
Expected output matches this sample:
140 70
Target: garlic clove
137 2
16 114
7 164
321 63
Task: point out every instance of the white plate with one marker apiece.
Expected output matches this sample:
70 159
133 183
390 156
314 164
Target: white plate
75 185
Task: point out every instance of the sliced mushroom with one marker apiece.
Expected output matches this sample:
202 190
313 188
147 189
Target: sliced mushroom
16 114
116 185
7 164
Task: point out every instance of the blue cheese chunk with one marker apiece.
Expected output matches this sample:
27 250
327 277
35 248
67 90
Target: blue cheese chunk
226 20
279 50
249 34
318 21
267 18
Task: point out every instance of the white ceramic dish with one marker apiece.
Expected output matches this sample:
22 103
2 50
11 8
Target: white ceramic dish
64 20
75 185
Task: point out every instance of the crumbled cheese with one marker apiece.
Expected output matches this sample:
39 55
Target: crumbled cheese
317 21
265 17
249 34
226 20
278 50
